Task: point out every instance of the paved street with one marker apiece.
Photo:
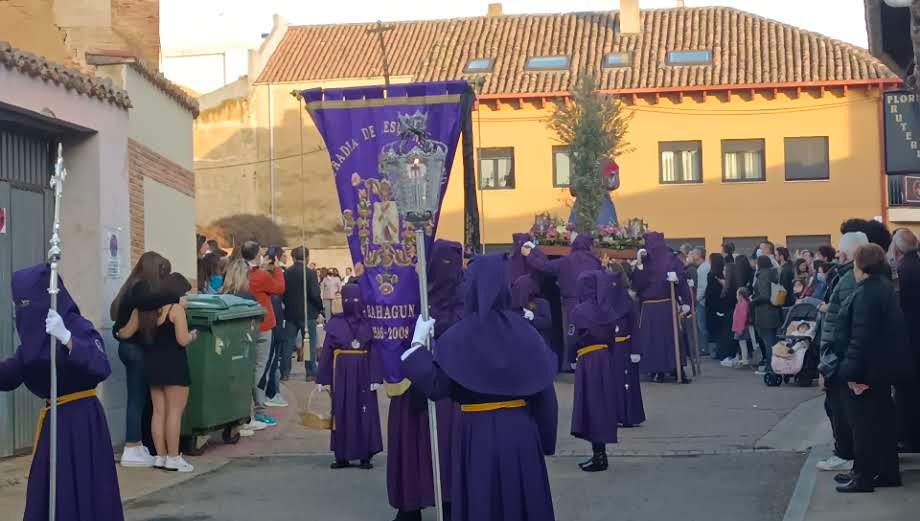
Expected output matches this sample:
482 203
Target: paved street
696 458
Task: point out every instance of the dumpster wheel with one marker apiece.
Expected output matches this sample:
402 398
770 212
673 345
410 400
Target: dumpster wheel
231 434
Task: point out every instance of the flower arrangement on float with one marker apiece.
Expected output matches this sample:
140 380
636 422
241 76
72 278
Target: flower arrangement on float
555 236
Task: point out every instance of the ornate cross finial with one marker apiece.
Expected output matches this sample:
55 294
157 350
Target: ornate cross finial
57 184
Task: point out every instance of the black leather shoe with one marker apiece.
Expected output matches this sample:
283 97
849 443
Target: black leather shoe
339 464
366 464
597 464
684 379
408 515
881 482
855 487
658 378
584 464
843 478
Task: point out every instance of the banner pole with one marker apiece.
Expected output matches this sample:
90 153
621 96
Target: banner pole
54 258
422 267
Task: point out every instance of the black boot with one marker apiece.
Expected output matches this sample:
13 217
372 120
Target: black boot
598 463
340 464
843 478
408 515
366 464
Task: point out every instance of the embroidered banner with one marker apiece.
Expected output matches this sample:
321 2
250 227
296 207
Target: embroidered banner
379 146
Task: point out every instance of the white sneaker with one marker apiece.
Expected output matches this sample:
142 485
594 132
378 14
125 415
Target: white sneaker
835 464
276 401
159 462
254 425
137 457
178 464
246 433
728 362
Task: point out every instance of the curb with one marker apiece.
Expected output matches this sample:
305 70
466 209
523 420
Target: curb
804 488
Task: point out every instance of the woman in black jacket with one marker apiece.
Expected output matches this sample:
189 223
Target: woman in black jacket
871 329
718 316
767 317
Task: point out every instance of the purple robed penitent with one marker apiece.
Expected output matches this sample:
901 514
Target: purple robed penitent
356 419
594 411
567 270
655 335
410 484
525 295
494 355
87 485
630 410
519 266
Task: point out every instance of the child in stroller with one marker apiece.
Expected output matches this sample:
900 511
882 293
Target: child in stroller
793 353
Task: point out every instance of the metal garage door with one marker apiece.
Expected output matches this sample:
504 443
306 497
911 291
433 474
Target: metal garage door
25 167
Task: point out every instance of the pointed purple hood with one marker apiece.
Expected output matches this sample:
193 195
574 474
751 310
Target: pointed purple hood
494 350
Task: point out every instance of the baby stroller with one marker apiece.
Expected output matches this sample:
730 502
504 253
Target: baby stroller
795 355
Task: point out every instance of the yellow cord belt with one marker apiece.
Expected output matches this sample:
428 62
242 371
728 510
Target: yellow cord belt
62 400
493 406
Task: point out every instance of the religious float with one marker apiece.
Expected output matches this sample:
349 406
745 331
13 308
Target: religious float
611 241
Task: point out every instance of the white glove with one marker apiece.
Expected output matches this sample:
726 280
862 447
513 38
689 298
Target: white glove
54 326
325 388
641 253
526 247
528 314
423 330
691 283
375 387
573 365
684 309
635 358
672 276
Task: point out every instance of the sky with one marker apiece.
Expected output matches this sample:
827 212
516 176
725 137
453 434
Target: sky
218 23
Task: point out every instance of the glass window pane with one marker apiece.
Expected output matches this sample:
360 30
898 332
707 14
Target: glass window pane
562 167
743 160
479 65
690 57
731 166
487 173
617 59
548 62
496 168
806 158
667 167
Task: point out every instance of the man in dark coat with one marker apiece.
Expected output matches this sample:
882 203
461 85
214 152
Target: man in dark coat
298 319
786 273
832 354
907 395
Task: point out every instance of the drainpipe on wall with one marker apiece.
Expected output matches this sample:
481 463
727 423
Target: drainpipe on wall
271 150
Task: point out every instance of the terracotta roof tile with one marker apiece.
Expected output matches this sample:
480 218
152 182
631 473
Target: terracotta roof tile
148 71
71 79
747 49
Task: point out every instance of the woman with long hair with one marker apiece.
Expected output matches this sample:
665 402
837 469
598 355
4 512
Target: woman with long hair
165 335
140 292
236 279
209 277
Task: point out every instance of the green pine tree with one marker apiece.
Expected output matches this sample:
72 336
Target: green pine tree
593 126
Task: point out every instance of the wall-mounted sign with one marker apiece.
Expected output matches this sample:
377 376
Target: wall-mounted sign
902 132
2 220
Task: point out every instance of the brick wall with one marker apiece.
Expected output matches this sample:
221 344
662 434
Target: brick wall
138 21
145 163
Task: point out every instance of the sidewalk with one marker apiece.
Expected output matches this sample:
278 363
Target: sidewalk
815 499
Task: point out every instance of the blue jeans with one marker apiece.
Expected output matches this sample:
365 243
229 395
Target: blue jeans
310 365
767 341
138 392
701 328
292 328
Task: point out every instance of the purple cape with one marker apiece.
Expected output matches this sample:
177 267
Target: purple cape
493 350
445 284
87 482
594 311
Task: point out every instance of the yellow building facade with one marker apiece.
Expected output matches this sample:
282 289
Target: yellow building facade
767 131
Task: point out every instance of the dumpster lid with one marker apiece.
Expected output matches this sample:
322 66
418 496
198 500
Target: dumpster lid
223 307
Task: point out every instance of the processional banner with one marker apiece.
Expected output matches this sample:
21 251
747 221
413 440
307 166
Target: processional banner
382 144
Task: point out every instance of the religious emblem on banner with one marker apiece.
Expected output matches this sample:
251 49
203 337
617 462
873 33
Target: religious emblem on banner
412 173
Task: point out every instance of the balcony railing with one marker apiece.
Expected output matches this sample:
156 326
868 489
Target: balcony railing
898 191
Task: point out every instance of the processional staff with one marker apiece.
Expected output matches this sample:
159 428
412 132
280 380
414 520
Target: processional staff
54 259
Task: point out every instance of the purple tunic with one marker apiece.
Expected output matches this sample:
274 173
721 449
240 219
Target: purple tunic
87 485
630 410
342 364
567 270
594 411
655 335
494 355
410 484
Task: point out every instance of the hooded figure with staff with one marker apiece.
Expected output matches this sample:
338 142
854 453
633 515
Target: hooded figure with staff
79 445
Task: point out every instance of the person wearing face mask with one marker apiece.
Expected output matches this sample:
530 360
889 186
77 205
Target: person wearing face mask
350 370
87 484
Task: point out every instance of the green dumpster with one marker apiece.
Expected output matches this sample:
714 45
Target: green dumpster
221 362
